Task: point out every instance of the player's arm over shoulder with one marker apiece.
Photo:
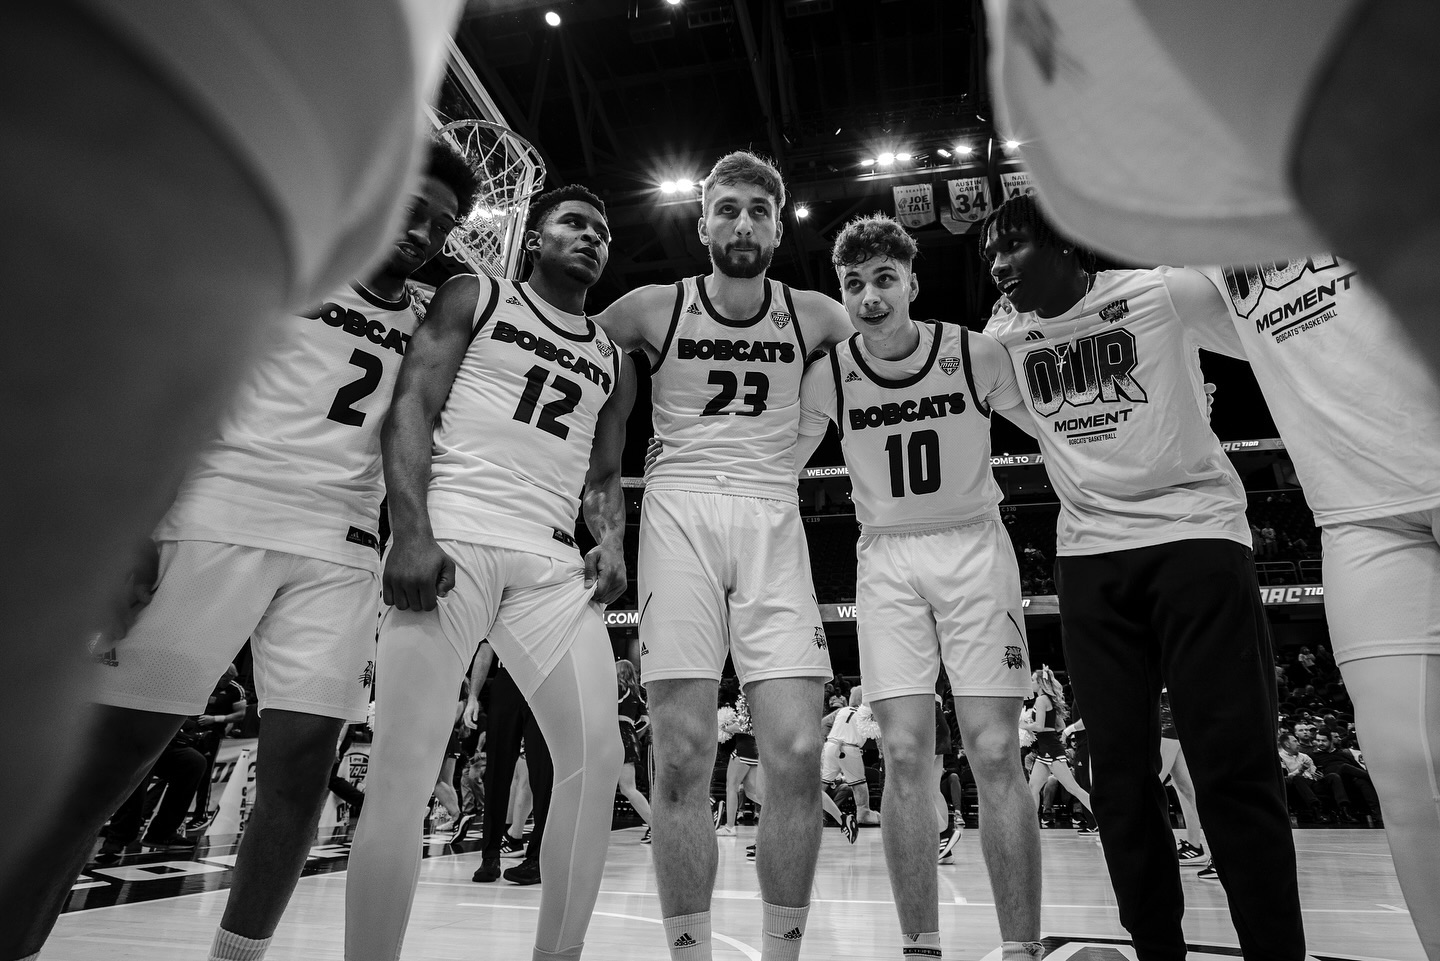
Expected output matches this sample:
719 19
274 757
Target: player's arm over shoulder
817 409
995 381
640 319
1203 309
823 319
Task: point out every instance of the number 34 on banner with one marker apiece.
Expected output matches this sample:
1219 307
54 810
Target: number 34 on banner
969 198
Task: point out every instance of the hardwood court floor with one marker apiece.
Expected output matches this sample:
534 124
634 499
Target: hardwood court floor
1351 899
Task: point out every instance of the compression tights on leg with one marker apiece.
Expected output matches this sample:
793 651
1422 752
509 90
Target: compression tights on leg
575 707
414 711
1397 713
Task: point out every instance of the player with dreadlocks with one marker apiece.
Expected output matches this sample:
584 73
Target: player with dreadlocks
1154 573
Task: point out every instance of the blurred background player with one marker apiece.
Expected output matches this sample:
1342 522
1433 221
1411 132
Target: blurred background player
272 537
723 558
509 416
295 133
630 706
841 761
1155 575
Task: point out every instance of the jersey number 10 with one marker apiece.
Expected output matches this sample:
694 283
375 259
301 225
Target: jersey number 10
923 452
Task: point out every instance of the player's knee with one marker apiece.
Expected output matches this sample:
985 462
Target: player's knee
992 753
792 761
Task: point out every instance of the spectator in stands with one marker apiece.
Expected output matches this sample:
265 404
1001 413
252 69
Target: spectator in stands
179 769
1332 761
226 706
1302 775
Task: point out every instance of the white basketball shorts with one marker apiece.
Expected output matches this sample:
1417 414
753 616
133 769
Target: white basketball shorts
720 570
311 626
1382 585
948 597
532 608
841 762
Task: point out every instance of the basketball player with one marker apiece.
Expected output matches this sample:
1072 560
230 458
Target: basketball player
1360 415
1155 576
256 156
510 403
272 537
723 559
1234 132
937 585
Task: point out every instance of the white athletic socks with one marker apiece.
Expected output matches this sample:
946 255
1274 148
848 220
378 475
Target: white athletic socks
232 947
569 954
920 947
688 936
784 929
1021 950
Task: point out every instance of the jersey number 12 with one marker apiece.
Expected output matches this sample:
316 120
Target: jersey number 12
549 414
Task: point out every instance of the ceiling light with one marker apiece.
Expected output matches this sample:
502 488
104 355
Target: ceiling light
684 186
668 187
1011 144
801 212
868 162
674 3
903 157
837 131
964 149
885 159
552 18
942 152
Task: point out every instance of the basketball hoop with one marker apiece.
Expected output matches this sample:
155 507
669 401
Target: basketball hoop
510 172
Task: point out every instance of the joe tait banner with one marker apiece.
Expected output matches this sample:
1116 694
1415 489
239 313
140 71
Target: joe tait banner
915 204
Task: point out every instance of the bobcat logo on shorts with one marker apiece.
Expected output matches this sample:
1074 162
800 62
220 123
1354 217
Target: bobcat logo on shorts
1013 658
820 638
605 349
367 676
781 318
949 365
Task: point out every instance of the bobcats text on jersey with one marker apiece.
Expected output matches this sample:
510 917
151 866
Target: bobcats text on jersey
526 340
357 324
888 415
768 352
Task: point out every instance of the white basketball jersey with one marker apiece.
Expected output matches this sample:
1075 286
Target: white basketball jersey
918 448
513 441
1357 406
295 464
1115 387
725 396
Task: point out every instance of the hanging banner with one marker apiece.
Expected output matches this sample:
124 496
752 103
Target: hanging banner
1015 183
969 203
915 204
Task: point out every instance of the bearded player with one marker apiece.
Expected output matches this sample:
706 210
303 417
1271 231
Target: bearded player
272 537
723 558
937 585
510 404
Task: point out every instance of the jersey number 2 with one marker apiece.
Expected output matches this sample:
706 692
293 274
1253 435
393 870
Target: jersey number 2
549 414
342 409
759 386
924 461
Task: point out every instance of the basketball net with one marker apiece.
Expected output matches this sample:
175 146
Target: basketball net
510 172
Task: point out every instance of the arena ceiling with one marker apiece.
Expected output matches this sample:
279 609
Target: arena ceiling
626 94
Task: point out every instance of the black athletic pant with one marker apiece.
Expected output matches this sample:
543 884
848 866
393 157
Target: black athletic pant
510 722
1186 614
180 768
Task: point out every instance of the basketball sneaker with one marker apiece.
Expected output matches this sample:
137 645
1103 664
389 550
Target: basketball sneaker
1191 855
645 838
462 824
1208 873
717 811
526 872
173 843
948 839
849 827
750 853
511 847
1089 831
489 870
